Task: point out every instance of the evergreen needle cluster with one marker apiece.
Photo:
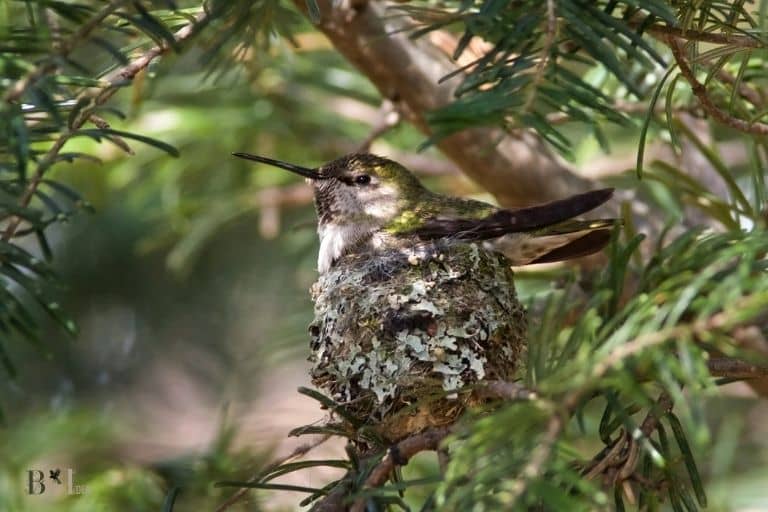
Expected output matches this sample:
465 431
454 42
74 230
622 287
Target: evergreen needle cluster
622 360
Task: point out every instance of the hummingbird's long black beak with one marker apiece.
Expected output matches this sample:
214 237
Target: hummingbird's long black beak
303 171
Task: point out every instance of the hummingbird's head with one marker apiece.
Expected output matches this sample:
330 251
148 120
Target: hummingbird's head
356 188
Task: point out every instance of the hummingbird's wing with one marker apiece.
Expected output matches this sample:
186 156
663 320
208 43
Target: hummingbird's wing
564 241
501 222
538 234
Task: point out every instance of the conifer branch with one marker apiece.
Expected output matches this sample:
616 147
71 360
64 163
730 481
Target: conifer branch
541 66
47 66
730 368
700 91
618 461
98 97
664 32
399 455
298 452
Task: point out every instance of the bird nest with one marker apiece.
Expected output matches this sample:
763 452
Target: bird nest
401 340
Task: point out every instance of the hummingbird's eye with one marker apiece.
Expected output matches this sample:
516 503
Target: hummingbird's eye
362 179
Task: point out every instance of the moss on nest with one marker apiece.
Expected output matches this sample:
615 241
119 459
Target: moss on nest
397 338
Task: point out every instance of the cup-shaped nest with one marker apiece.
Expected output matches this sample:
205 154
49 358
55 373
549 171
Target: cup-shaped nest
402 339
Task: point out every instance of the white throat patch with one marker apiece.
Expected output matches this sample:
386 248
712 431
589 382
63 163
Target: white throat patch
335 239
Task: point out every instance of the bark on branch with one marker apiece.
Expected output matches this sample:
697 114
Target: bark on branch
517 170
700 91
399 455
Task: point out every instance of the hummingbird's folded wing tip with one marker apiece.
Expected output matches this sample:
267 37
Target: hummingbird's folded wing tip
607 192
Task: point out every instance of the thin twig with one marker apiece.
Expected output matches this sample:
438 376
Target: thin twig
663 405
541 66
20 86
399 455
98 98
604 459
540 455
511 391
300 451
731 368
700 91
85 29
389 117
334 500
47 66
644 341
638 107
665 32
746 92
623 454
626 107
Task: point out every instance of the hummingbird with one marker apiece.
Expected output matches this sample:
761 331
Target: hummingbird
370 204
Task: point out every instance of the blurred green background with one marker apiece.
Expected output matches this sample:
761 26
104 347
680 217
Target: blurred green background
189 283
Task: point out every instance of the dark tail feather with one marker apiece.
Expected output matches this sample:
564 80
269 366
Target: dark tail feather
590 243
535 217
514 221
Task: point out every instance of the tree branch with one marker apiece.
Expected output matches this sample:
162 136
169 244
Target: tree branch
723 320
511 391
727 367
664 32
518 170
745 91
700 91
399 455
300 451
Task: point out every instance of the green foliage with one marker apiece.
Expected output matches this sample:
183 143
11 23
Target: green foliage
689 298
629 359
61 63
609 353
82 442
571 61
46 102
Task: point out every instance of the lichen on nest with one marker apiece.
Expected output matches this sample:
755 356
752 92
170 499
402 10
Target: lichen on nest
396 338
